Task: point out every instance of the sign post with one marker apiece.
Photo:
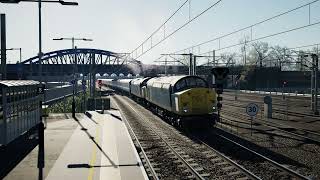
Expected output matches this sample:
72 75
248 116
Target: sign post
252 110
84 88
100 85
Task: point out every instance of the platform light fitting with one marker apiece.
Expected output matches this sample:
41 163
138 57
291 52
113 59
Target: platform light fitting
45 1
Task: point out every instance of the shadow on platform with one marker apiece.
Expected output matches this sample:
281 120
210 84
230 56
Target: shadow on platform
94 141
89 166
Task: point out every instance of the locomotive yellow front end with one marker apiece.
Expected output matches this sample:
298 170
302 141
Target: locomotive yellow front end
195 102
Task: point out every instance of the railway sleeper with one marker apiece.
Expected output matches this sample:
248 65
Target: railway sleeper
224 163
205 175
190 160
212 156
198 169
151 160
185 156
242 178
178 161
230 169
235 173
217 160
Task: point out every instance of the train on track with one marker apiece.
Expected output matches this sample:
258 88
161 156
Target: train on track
181 100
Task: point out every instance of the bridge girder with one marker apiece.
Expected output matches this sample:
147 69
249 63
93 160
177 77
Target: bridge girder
82 56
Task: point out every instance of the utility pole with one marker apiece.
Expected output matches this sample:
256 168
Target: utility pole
245 53
3 47
165 67
213 57
315 65
73 104
190 64
194 65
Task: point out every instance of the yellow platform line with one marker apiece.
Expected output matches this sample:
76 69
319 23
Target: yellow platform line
94 154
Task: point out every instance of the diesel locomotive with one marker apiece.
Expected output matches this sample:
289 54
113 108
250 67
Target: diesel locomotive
181 100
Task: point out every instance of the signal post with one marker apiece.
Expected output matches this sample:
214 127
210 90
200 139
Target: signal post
220 74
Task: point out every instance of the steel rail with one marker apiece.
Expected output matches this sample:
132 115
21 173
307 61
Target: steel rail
153 172
191 169
238 166
294 173
266 123
277 110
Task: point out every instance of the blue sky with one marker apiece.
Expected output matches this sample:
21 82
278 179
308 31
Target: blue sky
120 26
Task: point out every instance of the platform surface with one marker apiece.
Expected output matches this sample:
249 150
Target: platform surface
99 148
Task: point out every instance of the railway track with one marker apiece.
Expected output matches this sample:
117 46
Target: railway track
313 137
191 159
149 167
203 154
281 108
301 106
277 97
268 165
160 143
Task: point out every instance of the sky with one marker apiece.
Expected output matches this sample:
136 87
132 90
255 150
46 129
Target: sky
122 25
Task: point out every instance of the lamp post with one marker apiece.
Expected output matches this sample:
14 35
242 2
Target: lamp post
72 39
41 162
40 28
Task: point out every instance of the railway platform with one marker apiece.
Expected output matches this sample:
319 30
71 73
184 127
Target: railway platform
100 148
92 148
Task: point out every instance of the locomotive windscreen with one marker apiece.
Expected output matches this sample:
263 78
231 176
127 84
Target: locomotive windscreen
190 82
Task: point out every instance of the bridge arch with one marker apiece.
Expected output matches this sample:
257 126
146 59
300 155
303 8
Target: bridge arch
85 60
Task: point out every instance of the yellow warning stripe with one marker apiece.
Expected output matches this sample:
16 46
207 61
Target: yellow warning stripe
94 154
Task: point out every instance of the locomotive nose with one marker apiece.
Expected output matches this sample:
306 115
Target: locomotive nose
198 101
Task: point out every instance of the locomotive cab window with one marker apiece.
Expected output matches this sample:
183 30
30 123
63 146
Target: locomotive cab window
190 82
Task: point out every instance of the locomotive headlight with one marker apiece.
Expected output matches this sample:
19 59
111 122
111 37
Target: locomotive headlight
185 109
214 108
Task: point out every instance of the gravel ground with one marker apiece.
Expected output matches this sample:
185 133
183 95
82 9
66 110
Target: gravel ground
185 146
194 150
255 164
305 156
161 156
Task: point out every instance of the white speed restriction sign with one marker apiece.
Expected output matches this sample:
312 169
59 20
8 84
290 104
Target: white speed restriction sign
252 109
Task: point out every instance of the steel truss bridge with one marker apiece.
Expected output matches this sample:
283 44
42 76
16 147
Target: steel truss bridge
80 61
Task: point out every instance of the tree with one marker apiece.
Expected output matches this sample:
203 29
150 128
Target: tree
277 55
261 50
228 58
